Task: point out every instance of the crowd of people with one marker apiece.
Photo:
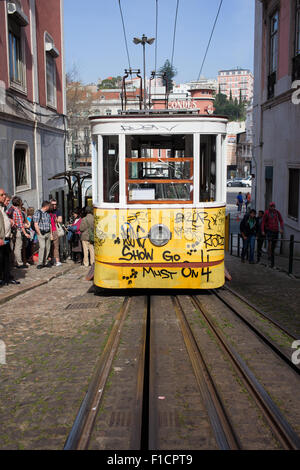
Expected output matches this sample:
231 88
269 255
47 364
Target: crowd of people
25 233
264 227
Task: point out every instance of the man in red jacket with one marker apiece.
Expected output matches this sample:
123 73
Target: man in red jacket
270 227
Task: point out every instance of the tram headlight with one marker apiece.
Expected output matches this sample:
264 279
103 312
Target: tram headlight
159 235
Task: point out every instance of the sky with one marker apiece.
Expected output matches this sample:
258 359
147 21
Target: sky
95 44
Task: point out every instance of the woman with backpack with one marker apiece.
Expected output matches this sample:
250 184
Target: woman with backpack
87 237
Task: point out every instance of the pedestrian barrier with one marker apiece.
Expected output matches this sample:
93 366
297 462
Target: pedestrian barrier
287 253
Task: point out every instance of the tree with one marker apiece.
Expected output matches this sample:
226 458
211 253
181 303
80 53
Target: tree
79 101
236 111
170 72
110 82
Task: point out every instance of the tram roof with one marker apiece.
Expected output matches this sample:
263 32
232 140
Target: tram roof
152 113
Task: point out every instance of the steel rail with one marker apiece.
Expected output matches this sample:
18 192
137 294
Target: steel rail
260 334
152 400
279 425
261 312
140 410
80 433
221 425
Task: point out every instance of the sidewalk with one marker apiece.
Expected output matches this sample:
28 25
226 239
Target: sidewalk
31 278
272 290
281 261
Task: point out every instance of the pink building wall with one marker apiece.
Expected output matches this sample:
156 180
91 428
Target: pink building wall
201 100
284 39
3 45
48 18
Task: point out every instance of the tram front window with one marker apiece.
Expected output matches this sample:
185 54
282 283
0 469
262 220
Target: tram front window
159 168
110 168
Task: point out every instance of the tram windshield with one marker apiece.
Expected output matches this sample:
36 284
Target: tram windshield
159 168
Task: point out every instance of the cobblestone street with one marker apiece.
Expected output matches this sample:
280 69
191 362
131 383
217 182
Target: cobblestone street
53 335
271 290
54 329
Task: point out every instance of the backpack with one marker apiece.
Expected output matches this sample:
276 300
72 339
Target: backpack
91 235
267 216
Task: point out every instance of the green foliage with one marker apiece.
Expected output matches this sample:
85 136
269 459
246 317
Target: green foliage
111 82
170 71
235 110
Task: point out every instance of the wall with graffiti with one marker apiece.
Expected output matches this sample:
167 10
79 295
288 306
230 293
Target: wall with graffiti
192 257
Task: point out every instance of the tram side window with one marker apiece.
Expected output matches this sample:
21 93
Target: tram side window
110 169
207 168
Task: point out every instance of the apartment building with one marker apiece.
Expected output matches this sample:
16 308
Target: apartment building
32 98
276 107
237 83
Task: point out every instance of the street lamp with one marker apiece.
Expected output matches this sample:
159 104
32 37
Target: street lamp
143 41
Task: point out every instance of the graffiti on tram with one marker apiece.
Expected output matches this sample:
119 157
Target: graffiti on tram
196 246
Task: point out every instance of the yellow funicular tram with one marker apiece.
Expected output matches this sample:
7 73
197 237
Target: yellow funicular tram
159 192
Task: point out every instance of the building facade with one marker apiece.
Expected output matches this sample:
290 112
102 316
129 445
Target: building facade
32 98
276 108
234 130
84 101
237 82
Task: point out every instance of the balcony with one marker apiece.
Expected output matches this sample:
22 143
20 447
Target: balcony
296 68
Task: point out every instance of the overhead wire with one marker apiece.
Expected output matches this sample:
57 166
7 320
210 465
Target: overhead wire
124 31
156 28
211 35
174 34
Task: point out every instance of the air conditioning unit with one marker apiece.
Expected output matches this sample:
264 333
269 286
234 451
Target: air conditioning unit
17 14
52 49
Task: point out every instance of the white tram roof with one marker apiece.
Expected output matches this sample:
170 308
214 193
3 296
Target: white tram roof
156 122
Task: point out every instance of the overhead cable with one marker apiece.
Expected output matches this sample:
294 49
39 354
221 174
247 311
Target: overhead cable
156 23
174 34
211 35
126 45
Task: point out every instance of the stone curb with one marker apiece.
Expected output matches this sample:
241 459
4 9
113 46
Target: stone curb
11 295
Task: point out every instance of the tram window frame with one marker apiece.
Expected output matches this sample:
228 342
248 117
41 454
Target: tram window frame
208 168
111 169
147 150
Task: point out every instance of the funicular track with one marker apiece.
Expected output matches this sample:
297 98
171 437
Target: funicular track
253 327
170 388
279 425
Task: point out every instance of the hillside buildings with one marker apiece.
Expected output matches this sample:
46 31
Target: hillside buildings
236 83
32 98
84 101
196 96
